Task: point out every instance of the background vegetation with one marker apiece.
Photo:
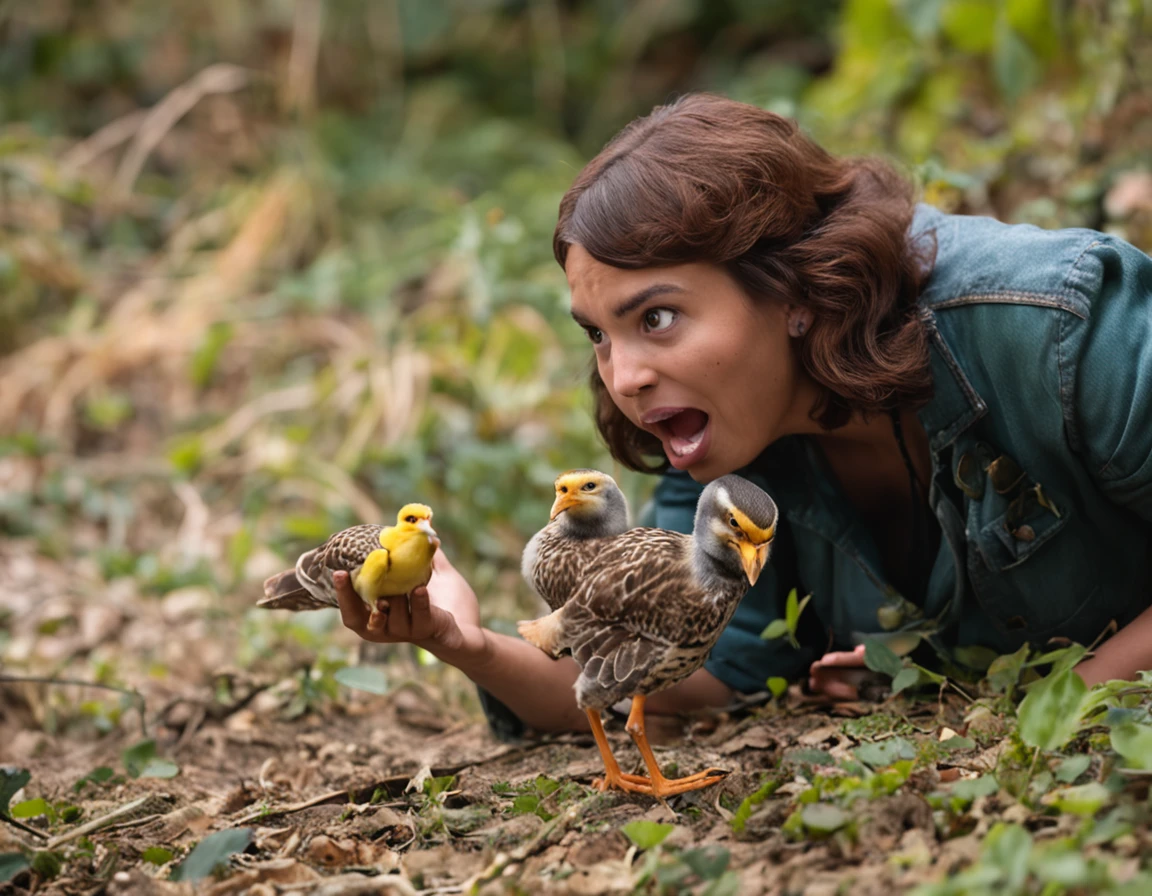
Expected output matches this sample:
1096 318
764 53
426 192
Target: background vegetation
268 269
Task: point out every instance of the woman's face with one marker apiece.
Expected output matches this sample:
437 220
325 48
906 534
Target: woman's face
688 356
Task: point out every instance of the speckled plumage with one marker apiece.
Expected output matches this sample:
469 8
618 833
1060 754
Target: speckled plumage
635 620
309 586
640 610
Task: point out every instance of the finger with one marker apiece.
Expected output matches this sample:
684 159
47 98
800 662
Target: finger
420 609
353 611
441 563
400 620
843 658
378 620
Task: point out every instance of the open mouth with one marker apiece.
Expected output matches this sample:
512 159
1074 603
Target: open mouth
683 431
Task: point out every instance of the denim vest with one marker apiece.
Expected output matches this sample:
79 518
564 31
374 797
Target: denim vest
1040 431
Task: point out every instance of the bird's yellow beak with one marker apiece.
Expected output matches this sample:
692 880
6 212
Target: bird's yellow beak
753 557
563 502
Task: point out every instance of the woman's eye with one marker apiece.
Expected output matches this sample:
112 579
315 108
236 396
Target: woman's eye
597 336
589 486
659 318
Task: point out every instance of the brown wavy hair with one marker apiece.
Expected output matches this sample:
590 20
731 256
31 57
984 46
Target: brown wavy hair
710 179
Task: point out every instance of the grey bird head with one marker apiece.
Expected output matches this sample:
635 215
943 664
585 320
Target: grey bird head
589 504
735 524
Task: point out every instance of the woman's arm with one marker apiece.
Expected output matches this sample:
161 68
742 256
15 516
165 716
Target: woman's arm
1123 655
444 619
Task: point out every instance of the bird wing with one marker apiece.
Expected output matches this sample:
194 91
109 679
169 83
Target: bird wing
637 619
346 550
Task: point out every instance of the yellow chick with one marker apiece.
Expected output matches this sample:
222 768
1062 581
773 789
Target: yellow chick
383 561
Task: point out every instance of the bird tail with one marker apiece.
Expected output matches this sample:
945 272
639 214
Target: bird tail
283 591
544 632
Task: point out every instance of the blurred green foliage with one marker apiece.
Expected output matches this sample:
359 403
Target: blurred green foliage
269 269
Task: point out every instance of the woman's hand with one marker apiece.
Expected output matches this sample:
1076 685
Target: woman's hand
838 674
443 617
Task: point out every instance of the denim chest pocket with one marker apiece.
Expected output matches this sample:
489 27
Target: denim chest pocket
1027 563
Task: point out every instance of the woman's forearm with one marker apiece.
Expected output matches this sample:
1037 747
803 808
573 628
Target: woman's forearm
538 689
1123 655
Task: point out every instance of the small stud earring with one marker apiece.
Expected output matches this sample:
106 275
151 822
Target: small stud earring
800 328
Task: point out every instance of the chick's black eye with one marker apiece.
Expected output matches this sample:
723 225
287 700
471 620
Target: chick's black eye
589 486
409 519
732 522
563 489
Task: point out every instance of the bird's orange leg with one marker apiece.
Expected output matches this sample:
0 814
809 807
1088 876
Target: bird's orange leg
661 786
613 777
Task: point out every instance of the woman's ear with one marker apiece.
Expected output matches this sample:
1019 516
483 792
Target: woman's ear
799 320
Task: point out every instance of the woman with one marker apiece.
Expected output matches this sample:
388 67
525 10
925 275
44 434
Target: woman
952 414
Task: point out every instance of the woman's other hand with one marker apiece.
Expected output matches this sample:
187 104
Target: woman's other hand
838 674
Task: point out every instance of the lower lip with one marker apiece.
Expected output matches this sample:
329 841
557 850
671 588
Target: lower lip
684 461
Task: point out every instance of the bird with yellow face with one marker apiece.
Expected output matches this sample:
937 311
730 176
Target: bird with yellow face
589 505
640 609
383 561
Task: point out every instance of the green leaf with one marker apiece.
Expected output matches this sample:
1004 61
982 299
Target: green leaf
137 757
823 818
48 864
11 864
972 788
11 780
1072 768
885 752
1134 743
958 743
30 808
1050 714
159 768
708 862
777 628
1004 672
647 834
211 852
1008 847
879 658
777 686
906 678
744 811
99 775
1016 67
1083 800
525 804
809 756
157 855
970 24
363 678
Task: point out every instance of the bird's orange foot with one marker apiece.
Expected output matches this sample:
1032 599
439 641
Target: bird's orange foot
665 787
621 781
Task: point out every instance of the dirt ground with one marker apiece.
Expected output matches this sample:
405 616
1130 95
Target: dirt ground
347 792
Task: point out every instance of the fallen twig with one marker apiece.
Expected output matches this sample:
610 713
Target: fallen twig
103 821
136 696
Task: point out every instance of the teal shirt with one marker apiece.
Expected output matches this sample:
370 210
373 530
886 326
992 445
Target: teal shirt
1041 359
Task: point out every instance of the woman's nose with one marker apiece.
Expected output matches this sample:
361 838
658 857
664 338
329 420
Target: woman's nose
631 373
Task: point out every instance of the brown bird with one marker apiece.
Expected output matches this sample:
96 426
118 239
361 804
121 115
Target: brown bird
588 505
383 561
640 611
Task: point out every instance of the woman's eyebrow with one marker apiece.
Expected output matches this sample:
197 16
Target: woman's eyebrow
656 289
632 303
